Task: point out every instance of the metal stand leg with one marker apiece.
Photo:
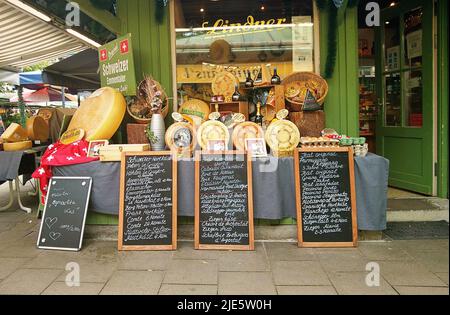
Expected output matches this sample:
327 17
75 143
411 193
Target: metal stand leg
11 197
22 207
36 189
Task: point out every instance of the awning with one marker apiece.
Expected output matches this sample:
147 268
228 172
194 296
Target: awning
27 40
9 77
77 72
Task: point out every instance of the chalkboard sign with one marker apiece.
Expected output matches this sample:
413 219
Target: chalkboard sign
326 198
223 201
148 201
62 225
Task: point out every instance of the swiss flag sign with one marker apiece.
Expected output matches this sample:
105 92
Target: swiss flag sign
103 55
124 46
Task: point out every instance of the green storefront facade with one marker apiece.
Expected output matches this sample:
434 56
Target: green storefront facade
419 156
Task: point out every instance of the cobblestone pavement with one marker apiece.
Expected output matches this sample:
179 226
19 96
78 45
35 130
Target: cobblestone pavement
406 267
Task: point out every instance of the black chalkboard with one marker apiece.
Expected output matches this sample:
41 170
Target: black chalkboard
326 206
148 202
64 217
224 201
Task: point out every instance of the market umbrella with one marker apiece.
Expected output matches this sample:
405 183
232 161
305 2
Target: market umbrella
45 95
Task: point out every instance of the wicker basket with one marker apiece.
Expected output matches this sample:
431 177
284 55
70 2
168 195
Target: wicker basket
302 77
146 121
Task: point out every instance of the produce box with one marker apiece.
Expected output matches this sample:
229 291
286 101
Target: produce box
113 153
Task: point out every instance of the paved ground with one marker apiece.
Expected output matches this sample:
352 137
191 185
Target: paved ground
407 267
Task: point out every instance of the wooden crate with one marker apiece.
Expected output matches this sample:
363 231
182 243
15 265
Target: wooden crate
310 124
235 107
113 153
136 134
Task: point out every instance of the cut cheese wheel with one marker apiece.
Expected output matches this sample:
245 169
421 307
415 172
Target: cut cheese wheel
37 129
100 115
17 146
15 133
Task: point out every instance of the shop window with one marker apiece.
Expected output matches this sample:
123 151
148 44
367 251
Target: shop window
240 36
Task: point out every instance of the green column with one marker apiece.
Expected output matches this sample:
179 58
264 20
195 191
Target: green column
23 118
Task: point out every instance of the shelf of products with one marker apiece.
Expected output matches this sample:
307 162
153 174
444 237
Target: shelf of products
367 105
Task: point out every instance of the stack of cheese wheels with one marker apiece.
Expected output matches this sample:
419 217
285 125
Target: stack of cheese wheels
15 138
100 115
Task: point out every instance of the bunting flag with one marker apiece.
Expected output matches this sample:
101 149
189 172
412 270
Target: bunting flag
59 154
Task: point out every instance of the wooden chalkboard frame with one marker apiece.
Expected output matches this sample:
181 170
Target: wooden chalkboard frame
88 197
200 246
298 197
173 246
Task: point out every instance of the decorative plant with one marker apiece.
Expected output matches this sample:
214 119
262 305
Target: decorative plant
151 135
150 99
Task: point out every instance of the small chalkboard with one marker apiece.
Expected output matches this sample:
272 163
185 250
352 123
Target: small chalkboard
64 217
326 197
148 201
223 201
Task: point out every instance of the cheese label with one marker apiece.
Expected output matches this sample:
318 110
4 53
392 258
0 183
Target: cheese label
71 136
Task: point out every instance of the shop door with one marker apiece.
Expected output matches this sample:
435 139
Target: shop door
404 43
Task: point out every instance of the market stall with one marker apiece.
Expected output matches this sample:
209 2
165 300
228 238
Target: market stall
273 183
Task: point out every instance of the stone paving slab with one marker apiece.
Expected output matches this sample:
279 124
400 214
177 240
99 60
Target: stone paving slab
97 272
421 290
443 276
134 283
28 281
191 272
60 288
288 251
246 283
384 251
187 289
306 290
186 251
354 283
409 274
299 273
144 260
244 260
9 265
435 261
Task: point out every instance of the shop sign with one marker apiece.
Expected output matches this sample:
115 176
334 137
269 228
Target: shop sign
117 65
206 74
221 26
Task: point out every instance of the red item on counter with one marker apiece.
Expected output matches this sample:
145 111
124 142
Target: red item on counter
59 154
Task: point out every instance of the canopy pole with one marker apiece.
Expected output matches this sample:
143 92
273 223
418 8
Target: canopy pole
63 97
23 120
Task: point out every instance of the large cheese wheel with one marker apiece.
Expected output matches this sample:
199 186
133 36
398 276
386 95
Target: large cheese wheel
15 133
100 115
17 146
37 129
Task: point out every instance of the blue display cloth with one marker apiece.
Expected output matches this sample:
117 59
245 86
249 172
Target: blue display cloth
273 188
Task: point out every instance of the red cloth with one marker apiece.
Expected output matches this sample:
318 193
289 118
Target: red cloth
59 154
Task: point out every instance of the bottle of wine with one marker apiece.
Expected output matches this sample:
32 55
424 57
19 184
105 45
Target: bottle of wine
236 96
276 80
249 82
259 118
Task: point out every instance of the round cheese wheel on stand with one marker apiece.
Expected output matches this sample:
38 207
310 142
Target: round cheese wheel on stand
100 115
